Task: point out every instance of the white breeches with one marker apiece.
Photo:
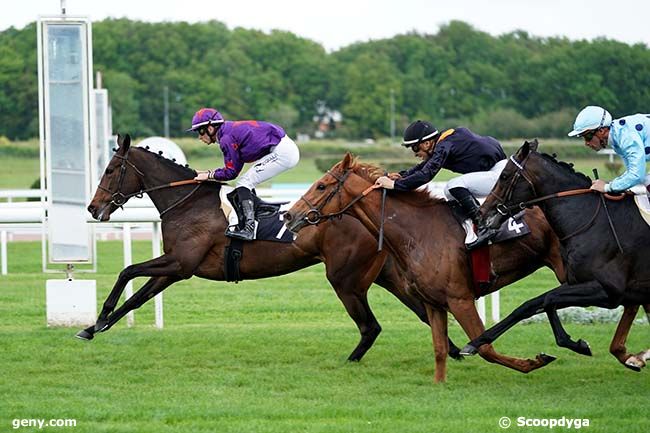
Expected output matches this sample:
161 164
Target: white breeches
479 183
283 157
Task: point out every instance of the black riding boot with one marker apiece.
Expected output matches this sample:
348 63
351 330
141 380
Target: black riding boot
470 206
247 213
467 202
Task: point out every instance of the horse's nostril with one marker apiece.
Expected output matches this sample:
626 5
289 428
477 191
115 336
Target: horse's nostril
91 208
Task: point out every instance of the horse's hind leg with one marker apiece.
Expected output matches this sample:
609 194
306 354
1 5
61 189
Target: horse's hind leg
438 323
617 346
562 338
465 313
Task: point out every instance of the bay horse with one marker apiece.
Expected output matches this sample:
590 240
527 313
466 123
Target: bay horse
605 245
427 241
193 229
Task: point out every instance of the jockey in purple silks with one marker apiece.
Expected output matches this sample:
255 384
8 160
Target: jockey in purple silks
263 144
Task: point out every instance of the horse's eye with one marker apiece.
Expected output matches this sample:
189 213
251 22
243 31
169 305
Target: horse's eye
109 170
503 176
320 187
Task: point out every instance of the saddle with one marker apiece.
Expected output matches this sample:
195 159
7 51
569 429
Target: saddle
269 226
482 274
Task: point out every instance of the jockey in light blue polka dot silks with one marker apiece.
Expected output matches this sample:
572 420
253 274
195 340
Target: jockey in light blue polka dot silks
629 137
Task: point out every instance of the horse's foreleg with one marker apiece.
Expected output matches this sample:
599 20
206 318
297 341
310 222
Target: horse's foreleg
617 346
438 323
465 313
154 286
579 295
562 338
163 265
352 290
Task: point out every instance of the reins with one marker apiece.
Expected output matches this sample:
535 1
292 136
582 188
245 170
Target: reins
507 210
314 215
118 198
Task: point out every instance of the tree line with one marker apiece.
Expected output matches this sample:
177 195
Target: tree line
513 85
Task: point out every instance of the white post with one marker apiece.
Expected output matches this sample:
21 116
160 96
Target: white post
128 260
158 299
480 306
3 250
496 313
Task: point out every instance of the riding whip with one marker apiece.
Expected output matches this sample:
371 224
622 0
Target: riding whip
609 218
381 221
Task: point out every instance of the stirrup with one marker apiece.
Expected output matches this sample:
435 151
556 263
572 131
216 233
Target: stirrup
483 238
246 234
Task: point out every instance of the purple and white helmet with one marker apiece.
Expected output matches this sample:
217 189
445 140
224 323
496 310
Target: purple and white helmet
205 117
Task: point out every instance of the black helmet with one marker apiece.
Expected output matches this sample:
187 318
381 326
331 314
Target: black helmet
417 132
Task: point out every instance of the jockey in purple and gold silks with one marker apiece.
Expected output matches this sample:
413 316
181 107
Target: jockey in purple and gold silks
263 144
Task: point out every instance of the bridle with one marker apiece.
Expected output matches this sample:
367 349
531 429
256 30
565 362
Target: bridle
315 216
118 198
501 207
506 210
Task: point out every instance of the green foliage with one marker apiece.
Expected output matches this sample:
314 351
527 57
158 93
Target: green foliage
514 85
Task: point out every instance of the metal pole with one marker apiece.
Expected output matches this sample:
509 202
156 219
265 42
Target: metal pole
392 116
496 307
3 250
480 306
166 104
128 260
158 299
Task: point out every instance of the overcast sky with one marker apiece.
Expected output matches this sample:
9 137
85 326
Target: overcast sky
336 23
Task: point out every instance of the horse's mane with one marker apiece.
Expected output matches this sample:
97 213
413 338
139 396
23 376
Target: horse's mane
415 198
568 167
184 170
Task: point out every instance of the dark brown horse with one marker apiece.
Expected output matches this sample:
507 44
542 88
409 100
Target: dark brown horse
193 237
428 243
605 246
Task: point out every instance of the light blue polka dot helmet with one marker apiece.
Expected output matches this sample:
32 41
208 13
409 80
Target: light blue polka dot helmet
590 118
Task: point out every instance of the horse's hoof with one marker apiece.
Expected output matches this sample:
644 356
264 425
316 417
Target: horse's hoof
84 335
545 358
634 364
469 350
583 348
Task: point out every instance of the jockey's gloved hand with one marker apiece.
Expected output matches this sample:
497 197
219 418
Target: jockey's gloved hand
385 182
202 175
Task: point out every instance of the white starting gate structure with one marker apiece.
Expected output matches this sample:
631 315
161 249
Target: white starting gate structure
65 104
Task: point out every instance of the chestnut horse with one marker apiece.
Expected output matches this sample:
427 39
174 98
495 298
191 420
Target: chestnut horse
193 237
427 241
604 245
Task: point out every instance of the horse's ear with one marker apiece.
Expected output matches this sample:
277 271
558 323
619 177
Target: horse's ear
123 141
348 159
526 148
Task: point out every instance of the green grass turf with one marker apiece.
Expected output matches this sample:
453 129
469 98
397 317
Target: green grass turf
269 356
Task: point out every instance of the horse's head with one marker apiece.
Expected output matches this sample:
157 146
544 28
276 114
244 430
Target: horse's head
121 180
515 185
331 195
